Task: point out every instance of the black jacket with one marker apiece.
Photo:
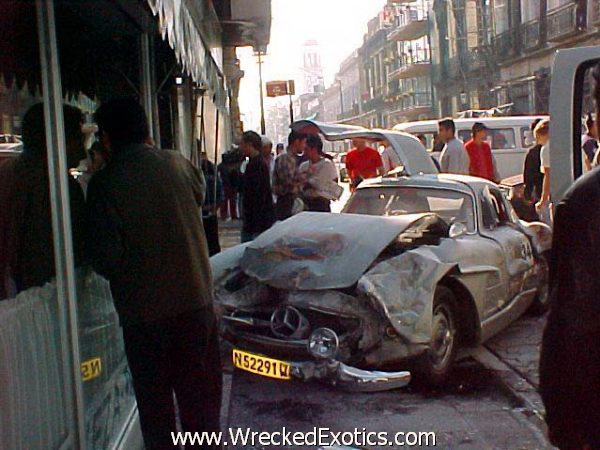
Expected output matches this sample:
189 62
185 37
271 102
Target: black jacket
570 359
532 175
146 236
259 214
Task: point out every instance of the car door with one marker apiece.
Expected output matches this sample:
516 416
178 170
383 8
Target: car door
515 245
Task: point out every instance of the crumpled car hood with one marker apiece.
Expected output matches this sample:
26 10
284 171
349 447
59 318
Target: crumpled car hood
321 251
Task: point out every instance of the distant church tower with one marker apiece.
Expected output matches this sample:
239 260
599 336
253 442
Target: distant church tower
313 71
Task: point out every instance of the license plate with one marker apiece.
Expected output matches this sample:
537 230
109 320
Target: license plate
260 365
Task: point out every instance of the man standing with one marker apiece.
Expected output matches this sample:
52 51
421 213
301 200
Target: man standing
320 177
286 184
267 154
454 157
363 162
257 209
146 237
542 135
26 240
482 162
532 176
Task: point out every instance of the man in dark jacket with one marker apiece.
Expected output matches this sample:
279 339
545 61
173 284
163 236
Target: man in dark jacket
258 211
570 359
147 239
532 176
26 239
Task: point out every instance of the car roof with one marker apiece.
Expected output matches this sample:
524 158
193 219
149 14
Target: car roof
463 183
490 121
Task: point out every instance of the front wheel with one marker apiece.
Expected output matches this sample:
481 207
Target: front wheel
542 297
435 364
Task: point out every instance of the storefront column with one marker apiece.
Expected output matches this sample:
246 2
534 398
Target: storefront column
147 90
61 217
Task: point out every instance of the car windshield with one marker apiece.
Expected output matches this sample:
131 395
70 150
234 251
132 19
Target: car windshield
450 205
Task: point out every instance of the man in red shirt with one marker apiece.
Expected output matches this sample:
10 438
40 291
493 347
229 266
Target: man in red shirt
480 153
363 162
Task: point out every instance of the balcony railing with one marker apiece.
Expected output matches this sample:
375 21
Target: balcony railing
530 35
413 66
562 22
504 44
411 25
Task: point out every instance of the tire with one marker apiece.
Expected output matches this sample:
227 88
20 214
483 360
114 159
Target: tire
434 366
542 297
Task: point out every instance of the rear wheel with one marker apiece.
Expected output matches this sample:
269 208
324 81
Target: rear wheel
542 297
435 365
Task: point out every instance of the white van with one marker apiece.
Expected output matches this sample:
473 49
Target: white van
509 137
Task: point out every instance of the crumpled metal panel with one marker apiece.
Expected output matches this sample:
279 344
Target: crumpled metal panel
404 288
321 251
177 26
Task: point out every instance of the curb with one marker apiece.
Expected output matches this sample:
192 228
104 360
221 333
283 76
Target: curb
530 405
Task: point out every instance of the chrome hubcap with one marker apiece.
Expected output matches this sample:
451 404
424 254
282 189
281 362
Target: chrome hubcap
442 338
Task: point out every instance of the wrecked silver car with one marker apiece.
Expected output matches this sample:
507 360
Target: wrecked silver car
414 269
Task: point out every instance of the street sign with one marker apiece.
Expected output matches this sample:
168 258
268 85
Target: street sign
279 88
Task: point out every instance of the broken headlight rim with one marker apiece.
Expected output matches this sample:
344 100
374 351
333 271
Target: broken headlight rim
323 343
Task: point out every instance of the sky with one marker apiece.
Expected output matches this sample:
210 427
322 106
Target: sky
337 25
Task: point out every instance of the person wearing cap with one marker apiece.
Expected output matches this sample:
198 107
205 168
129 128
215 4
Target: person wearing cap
482 162
454 158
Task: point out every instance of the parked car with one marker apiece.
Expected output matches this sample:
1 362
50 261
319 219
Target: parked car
10 146
509 137
414 269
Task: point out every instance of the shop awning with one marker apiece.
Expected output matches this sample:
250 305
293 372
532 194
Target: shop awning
184 24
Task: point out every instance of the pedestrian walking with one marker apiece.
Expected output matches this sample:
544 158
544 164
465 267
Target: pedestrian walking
319 175
147 239
363 162
286 183
258 211
454 158
570 356
481 160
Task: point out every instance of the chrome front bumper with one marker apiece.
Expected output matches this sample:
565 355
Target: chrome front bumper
349 378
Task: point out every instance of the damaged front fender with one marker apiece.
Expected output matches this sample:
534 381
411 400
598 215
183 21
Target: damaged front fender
403 289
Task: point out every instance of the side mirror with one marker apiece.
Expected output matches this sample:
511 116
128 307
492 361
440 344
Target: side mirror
457 229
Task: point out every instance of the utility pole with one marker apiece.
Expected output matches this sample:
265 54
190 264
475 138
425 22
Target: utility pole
262 101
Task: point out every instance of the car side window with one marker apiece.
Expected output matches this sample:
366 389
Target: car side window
502 139
488 214
500 207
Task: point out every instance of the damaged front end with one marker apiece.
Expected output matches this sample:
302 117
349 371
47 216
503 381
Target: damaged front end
322 299
327 335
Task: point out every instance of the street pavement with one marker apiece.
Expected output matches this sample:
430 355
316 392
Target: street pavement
491 401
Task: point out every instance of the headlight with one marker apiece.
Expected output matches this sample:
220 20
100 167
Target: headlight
323 343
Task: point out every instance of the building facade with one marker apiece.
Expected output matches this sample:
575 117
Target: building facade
489 54
410 77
